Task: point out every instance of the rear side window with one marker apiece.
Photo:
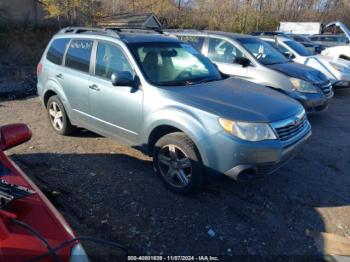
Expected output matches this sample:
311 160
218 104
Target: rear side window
78 55
56 50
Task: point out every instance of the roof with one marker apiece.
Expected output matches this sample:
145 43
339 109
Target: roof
278 37
125 34
127 20
146 37
209 32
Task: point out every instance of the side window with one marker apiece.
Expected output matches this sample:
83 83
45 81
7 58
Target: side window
110 59
343 39
195 41
326 39
78 55
56 50
223 51
282 49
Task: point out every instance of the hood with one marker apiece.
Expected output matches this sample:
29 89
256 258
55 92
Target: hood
300 71
236 99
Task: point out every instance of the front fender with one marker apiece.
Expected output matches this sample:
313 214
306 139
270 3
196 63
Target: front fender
187 122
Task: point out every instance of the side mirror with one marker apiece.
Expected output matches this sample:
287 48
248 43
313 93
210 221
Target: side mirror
242 61
13 135
123 78
288 55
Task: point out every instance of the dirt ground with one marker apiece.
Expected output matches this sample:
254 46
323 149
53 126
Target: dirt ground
108 190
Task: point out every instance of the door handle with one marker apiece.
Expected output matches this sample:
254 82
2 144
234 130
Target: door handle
94 87
60 76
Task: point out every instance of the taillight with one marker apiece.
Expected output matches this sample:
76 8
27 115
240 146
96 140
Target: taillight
39 69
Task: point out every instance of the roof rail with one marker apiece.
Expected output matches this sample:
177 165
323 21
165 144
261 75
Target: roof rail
175 30
134 29
86 30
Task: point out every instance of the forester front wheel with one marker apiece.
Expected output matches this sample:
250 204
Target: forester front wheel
178 163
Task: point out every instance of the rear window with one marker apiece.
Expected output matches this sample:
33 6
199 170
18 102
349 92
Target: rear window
56 50
78 55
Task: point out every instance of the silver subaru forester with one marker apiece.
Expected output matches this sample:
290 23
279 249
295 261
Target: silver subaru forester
162 95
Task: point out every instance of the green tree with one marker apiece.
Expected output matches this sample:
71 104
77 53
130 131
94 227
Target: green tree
73 12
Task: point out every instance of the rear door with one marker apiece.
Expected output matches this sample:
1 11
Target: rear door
223 53
116 110
75 78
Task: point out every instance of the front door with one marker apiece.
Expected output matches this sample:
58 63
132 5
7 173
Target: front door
115 110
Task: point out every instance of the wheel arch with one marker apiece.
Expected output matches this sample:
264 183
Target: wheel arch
180 123
54 88
49 93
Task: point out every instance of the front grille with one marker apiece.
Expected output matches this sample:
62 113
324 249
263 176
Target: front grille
291 128
326 88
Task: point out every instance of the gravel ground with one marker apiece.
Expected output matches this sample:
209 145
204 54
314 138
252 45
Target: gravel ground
108 190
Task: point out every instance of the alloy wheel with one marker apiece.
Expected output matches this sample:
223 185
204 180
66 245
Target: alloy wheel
56 116
174 166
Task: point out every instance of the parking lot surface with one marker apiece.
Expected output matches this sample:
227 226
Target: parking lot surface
108 190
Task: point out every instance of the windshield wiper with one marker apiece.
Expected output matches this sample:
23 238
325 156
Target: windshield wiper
173 83
200 81
276 63
188 82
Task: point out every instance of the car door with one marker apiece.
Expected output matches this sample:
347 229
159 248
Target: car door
75 78
223 54
116 110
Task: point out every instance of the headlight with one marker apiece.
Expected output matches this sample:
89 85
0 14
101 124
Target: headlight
248 131
340 68
303 86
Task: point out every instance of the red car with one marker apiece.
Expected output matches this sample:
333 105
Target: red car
30 226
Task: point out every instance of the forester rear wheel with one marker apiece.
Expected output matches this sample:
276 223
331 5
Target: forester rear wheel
58 117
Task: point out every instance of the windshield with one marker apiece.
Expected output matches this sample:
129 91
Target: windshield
298 48
263 52
173 64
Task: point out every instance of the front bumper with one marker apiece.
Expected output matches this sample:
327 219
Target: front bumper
312 102
226 154
252 170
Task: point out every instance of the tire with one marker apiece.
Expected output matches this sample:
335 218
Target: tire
177 162
58 117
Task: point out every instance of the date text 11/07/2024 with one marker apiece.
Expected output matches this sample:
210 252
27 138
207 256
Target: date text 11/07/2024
173 258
